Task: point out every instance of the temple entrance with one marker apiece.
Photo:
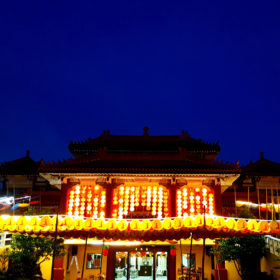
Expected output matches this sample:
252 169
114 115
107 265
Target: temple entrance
141 263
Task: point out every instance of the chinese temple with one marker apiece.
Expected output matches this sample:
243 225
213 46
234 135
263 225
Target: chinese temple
149 207
142 184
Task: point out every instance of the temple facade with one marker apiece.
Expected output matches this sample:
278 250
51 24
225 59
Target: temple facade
135 178
145 207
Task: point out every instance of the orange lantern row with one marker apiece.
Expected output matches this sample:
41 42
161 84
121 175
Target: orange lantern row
47 224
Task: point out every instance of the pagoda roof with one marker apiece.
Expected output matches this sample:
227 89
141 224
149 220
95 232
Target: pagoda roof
89 164
22 166
142 144
262 167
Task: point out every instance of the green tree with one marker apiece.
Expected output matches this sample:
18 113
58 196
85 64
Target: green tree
27 253
244 252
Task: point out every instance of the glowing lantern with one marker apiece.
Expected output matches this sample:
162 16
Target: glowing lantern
241 225
9 223
156 224
188 222
89 224
177 223
173 250
105 251
199 221
230 224
263 226
146 225
167 224
135 225
220 222
21 223
122 225
143 254
45 221
112 225
78 224
209 223
274 227
69 223
252 225
100 224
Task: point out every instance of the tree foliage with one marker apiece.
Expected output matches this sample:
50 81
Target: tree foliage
27 253
244 252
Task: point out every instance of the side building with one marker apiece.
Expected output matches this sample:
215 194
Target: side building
257 190
23 189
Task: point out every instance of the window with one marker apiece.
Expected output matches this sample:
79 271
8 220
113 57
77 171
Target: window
93 261
189 262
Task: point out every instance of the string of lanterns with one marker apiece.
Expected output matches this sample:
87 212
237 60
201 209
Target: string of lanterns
140 201
190 201
148 229
263 206
87 201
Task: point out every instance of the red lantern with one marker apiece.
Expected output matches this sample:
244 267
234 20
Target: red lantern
105 251
143 254
173 250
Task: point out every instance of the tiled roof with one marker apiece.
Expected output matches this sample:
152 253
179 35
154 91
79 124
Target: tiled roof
86 165
21 166
261 167
142 144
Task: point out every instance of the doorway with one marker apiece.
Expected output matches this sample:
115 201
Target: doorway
141 263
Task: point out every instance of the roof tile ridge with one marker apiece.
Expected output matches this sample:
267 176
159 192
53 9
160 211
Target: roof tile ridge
221 163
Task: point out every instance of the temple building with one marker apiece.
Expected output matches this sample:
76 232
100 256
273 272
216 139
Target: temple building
142 177
145 207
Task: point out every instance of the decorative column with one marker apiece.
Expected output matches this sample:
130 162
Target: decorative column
58 271
218 198
172 193
109 198
110 264
171 264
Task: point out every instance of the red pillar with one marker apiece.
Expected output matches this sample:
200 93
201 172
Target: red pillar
172 267
220 272
218 199
109 200
173 204
63 198
110 265
58 272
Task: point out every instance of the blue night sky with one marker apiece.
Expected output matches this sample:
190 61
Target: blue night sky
70 69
